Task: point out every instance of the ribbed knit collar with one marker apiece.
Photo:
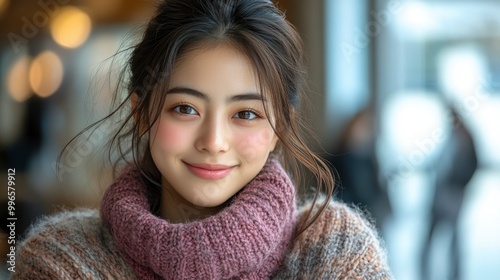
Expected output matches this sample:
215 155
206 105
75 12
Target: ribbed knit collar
246 240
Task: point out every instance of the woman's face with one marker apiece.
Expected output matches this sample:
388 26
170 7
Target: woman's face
212 136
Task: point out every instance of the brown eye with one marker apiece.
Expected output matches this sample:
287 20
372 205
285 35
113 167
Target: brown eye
185 110
246 115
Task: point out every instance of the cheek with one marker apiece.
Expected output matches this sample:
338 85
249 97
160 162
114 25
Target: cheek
169 136
255 144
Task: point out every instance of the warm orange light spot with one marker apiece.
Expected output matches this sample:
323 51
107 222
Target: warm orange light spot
71 27
46 74
3 5
17 80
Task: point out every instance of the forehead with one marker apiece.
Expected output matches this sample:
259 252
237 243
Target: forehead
215 67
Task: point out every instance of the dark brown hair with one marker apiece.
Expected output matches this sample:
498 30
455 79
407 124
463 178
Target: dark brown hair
256 28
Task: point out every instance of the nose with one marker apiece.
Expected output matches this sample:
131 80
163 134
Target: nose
214 136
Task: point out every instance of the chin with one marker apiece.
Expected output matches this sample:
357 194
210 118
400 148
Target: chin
211 203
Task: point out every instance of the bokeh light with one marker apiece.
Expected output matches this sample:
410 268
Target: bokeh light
17 80
3 5
417 17
414 126
46 74
71 27
462 71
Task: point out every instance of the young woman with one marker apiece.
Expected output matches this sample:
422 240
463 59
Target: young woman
214 91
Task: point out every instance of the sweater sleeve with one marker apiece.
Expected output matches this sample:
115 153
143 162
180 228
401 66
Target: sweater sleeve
70 245
341 244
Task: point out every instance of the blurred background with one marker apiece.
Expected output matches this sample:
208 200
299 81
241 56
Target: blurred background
405 97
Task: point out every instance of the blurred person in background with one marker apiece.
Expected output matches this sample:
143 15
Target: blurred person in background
454 167
356 168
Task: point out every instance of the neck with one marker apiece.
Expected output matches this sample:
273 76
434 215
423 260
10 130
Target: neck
175 209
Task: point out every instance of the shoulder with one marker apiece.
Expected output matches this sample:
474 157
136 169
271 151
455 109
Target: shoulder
341 244
69 245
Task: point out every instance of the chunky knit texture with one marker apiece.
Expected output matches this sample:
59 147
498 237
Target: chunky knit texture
70 245
81 244
246 240
342 244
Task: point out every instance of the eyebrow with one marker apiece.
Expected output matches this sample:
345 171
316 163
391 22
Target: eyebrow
205 97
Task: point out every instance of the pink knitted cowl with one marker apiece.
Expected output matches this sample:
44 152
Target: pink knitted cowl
246 240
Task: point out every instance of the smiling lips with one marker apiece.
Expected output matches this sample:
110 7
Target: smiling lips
209 171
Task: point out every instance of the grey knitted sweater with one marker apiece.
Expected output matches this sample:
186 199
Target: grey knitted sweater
342 244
